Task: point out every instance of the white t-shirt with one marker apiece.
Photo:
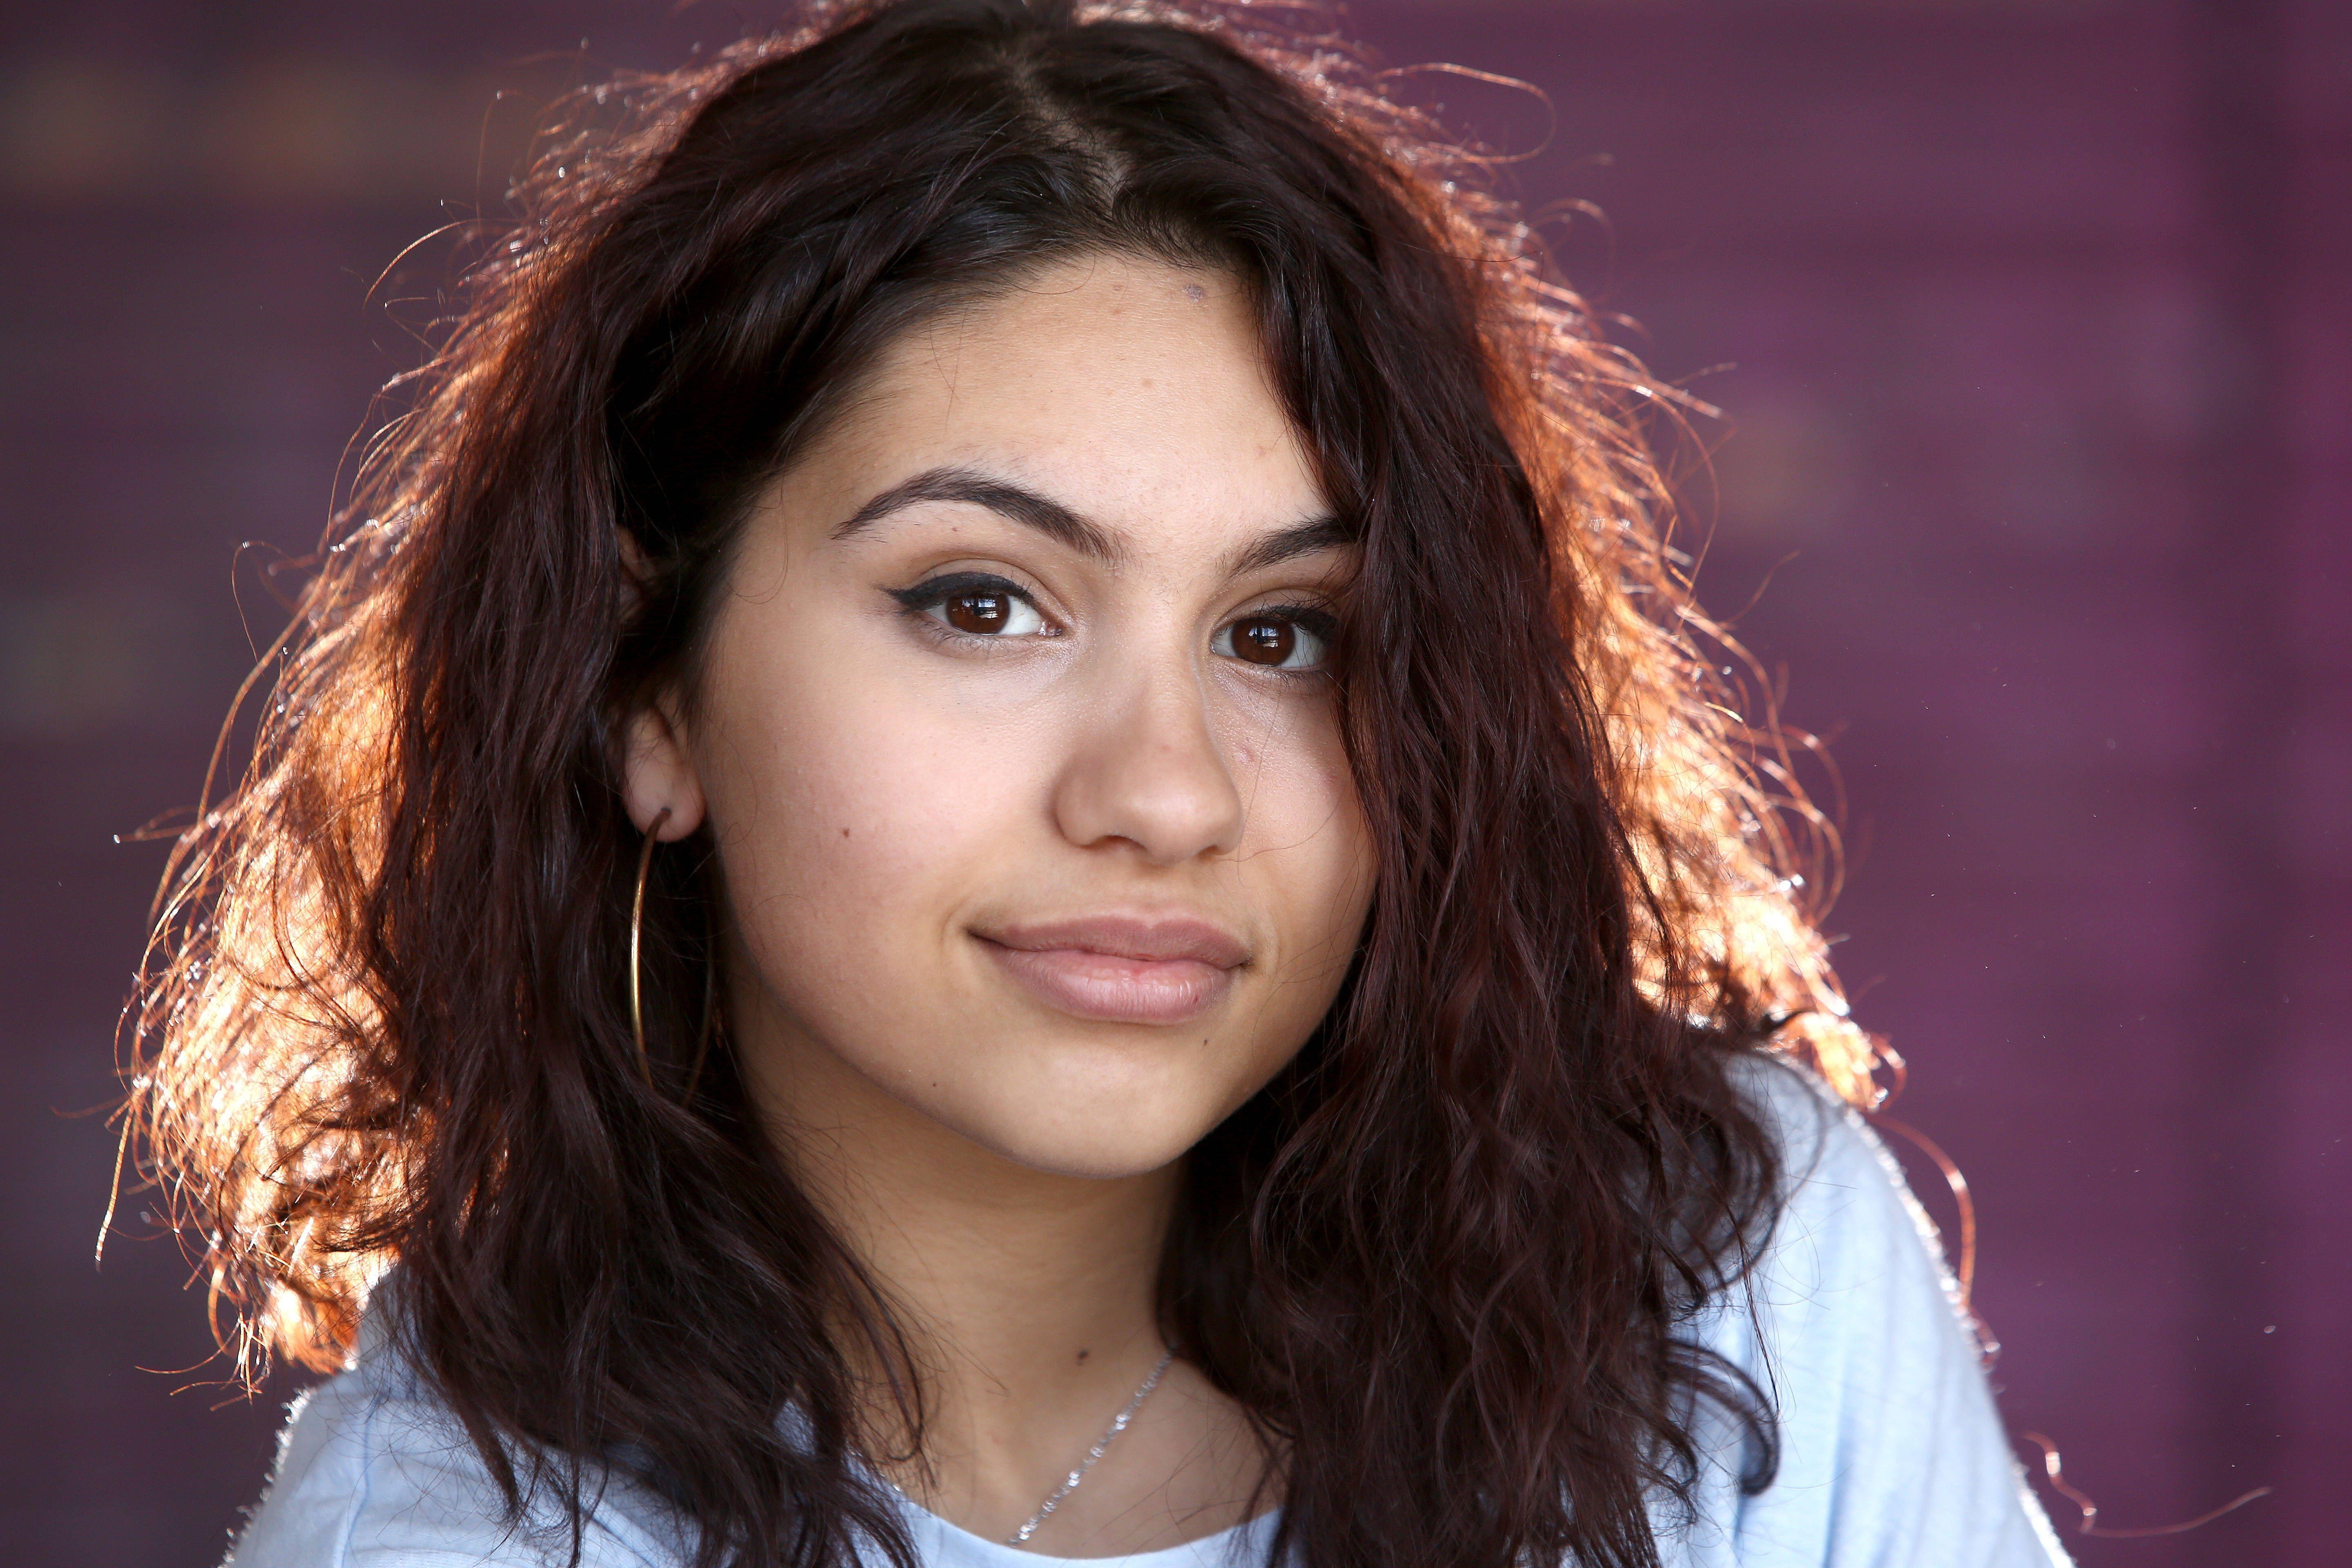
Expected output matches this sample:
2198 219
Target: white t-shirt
1892 1455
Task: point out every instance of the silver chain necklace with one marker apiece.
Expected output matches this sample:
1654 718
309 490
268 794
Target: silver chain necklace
1054 1499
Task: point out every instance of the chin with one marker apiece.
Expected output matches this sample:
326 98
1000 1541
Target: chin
1097 1136
1093 1159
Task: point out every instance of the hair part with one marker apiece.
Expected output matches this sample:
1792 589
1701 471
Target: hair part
385 1015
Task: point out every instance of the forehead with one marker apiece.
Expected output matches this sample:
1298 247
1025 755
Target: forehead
1133 391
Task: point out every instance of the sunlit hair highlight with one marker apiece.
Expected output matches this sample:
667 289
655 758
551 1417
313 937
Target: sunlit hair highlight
385 1013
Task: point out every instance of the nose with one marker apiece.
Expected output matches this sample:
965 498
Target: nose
1147 769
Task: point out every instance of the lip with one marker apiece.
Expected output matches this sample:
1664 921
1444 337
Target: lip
1120 969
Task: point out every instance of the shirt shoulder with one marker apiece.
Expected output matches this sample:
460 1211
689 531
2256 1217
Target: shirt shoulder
1850 1237
1851 1328
373 1472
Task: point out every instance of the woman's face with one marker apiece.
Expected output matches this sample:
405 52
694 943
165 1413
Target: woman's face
1013 735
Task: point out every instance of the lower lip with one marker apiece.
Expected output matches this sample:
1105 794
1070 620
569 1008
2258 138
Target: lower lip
1113 990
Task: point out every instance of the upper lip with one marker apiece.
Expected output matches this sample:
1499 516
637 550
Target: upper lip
1149 939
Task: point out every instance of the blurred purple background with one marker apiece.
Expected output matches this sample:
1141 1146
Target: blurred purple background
2030 320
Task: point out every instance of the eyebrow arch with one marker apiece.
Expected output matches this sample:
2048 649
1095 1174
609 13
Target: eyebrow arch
1002 497
1287 544
1065 526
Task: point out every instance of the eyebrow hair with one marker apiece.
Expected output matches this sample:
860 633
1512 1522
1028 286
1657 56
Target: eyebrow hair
1058 522
1002 497
1316 533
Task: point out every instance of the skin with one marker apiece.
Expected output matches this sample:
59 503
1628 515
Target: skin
1019 914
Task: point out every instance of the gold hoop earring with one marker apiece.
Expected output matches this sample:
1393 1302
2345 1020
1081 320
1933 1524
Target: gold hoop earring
636 945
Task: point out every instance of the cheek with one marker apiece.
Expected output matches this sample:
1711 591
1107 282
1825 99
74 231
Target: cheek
1307 852
846 809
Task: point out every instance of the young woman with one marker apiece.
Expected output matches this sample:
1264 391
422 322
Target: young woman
1003 835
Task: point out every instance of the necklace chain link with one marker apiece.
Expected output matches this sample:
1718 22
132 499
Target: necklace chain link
1054 1500
1070 1482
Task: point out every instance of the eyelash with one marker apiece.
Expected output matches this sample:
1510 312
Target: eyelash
924 597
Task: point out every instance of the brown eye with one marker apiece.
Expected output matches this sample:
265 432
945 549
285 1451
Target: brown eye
975 604
1293 638
982 614
1264 641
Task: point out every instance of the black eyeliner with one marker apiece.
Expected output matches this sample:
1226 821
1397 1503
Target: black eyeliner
933 591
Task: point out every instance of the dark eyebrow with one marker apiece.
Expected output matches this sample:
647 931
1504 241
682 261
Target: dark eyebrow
1058 522
1047 515
1290 544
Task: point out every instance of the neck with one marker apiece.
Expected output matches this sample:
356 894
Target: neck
1029 1297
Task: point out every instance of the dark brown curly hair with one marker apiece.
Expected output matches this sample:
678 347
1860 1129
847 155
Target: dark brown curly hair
1441 1261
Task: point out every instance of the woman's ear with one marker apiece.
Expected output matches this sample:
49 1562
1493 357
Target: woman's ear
660 774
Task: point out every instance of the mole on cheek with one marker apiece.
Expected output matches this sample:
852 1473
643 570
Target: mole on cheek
1194 292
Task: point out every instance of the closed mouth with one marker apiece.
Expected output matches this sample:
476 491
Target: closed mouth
1120 968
